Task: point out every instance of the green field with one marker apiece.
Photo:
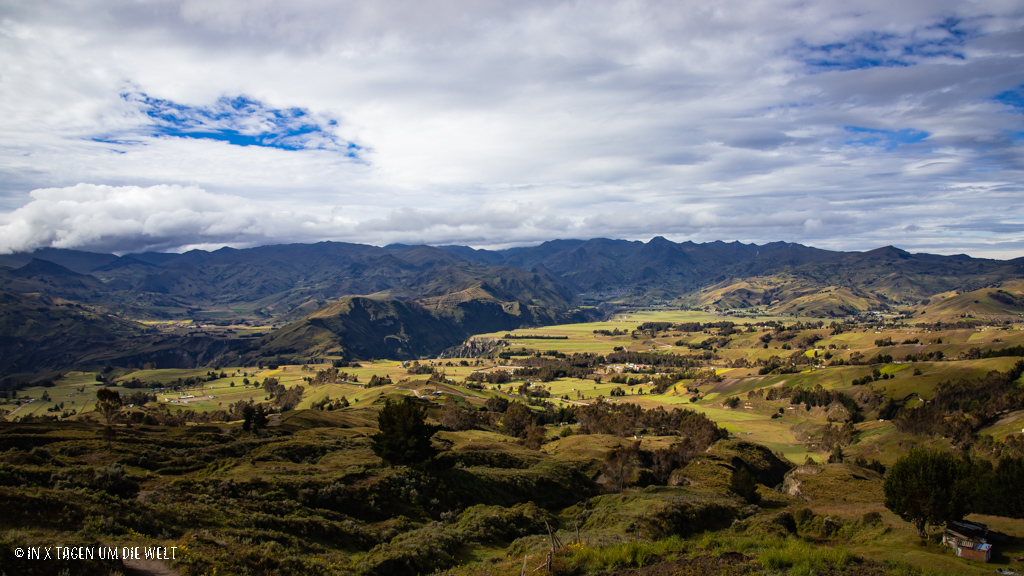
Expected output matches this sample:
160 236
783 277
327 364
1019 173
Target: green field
751 420
203 466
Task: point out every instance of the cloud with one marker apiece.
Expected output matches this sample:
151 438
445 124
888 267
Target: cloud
494 123
106 218
176 218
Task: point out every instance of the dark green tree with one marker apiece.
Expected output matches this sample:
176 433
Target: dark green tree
259 419
516 420
247 414
742 484
254 418
997 490
404 436
927 487
108 402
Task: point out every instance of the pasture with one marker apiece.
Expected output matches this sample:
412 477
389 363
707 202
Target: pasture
832 363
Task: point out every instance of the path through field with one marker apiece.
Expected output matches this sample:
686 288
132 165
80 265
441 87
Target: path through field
16 410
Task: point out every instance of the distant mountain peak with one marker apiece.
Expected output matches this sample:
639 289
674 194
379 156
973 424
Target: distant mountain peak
889 251
39 266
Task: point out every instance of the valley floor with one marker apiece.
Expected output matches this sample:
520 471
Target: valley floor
614 466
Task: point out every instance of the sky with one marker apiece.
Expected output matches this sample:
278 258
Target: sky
164 125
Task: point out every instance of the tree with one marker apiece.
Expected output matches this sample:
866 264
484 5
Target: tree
259 419
535 436
254 418
455 417
108 402
927 487
620 466
404 436
247 414
516 420
742 484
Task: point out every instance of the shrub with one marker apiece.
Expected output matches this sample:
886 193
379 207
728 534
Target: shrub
113 480
743 485
872 518
803 516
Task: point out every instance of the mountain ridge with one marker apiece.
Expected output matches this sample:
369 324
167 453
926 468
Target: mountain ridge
454 291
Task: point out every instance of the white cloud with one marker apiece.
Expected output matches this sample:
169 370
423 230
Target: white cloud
495 123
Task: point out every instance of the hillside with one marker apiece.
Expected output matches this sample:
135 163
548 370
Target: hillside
665 442
996 301
438 296
289 281
39 333
42 336
360 328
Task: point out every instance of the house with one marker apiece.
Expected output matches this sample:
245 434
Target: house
969 539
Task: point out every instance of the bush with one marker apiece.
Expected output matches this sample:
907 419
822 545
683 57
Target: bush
113 480
872 518
743 485
803 516
785 520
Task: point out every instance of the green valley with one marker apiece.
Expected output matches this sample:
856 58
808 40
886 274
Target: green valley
458 417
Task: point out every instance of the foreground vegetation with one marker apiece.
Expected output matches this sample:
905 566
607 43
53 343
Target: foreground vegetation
660 444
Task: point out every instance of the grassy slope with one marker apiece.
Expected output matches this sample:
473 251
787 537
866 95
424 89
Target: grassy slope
836 491
751 419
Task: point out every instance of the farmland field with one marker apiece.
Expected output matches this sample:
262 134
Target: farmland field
743 374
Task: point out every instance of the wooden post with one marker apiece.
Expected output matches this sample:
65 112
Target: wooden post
523 572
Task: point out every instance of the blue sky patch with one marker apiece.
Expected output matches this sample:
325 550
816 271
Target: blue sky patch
1014 98
887 139
242 121
880 49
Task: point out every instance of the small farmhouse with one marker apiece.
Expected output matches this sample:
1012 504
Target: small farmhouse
969 539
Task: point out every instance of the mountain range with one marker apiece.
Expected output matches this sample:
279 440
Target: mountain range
356 301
